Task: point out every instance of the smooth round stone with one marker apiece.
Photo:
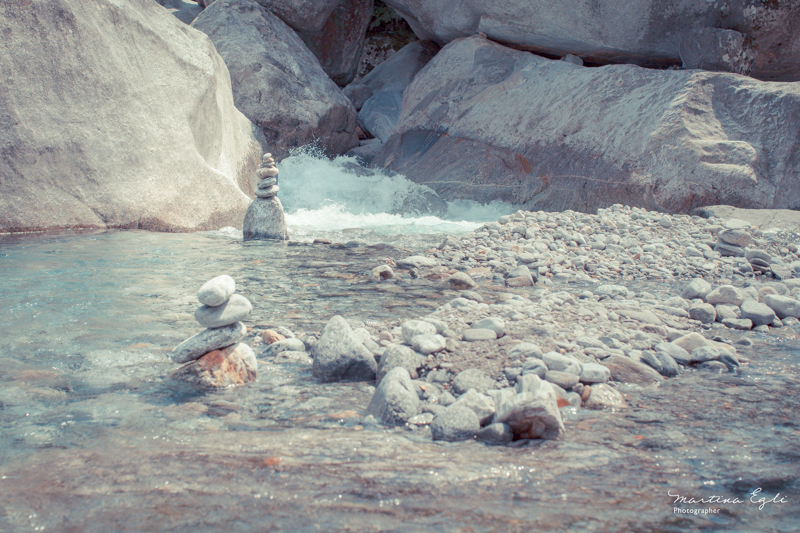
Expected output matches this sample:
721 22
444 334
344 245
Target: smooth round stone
725 294
216 291
268 192
760 314
557 361
697 288
266 157
665 221
704 353
493 323
783 305
534 366
703 312
472 335
428 343
411 328
267 183
235 309
738 323
267 172
565 380
735 237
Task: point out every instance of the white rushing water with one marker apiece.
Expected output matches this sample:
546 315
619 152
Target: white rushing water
324 195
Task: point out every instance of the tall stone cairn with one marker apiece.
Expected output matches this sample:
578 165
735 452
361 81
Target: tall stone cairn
264 219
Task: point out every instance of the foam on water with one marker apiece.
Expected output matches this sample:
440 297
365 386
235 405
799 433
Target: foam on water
327 195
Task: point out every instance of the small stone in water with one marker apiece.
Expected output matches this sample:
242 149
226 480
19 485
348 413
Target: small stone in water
456 423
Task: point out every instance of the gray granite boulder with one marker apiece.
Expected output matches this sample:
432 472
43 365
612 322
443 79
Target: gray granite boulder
277 82
339 44
340 355
546 157
645 32
100 133
395 400
758 313
216 291
472 379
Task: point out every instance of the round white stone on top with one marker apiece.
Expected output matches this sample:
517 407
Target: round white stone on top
216 291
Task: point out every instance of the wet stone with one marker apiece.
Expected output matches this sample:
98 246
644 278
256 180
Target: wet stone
758 313
286 345
496 434
216 291
208 340
233 365
236 308
626 370
456 423
602 395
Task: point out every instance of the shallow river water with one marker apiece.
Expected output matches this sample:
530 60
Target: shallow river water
93 437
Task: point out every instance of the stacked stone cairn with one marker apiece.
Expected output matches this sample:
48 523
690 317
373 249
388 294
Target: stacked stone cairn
214 358
264 219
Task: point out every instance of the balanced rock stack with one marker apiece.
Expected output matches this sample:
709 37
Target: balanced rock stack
214 357
264 218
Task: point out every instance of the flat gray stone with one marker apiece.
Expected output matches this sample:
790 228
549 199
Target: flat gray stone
456 423
472 335
395 400
565 363
728 250
208 340
758 313
565 380
340 355
216 291
594 373
236 308
417 261
743 324
735 237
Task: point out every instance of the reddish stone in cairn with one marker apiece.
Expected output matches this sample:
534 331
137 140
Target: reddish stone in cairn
226 367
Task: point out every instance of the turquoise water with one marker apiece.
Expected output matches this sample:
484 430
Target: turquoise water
94 437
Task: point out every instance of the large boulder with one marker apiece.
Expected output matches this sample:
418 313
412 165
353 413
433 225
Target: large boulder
277 81
482 121
339 44
302 15
117 116
386 82
644 32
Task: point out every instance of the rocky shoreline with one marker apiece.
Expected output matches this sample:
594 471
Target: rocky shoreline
555 312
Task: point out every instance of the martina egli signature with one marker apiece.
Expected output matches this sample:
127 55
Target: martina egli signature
755 498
